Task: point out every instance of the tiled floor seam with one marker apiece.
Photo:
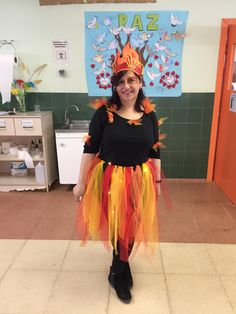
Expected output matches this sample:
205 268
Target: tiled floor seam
108 300
36 224
197 228
192 274
13 261
227 212
226 294
58 274
219 277
166 285
76 271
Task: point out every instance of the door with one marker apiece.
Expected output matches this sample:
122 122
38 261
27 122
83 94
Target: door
69 153
225 159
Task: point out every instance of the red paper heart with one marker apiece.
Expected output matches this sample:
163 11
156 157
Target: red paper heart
151 84
161 81
173 85
176 63
167 73
169 86
173 73
92 66
150 65
177 76
102 74
107 74
156 57
164 84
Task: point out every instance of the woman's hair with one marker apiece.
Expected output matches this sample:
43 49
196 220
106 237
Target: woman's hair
115 99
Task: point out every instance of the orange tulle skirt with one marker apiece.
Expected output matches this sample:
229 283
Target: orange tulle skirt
120 204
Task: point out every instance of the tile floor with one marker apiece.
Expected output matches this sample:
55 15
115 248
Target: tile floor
43 268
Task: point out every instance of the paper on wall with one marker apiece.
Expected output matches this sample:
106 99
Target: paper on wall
60 51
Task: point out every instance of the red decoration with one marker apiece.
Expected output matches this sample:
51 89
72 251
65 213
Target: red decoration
169 80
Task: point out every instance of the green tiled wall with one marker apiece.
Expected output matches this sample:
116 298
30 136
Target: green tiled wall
188 126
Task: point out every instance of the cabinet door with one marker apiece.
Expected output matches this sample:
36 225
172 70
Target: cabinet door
28 126
69 153
7 126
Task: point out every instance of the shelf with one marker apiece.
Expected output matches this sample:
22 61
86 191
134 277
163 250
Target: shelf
4 157
8 183
42 127
7 179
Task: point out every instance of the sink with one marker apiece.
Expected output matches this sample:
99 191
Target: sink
80 125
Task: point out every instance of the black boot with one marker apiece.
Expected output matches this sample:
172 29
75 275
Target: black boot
120 286
127 276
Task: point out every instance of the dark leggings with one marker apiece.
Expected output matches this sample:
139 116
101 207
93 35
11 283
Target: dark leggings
117 264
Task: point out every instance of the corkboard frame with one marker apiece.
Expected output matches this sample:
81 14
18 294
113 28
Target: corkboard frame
61 2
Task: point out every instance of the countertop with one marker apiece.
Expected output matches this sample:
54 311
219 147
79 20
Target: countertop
27 114
65 130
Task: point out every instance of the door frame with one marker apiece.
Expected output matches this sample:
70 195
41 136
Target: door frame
225 24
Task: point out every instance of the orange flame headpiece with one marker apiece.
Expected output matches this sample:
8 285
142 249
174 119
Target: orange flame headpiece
129 60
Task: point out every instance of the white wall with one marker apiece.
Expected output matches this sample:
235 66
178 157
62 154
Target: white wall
33 28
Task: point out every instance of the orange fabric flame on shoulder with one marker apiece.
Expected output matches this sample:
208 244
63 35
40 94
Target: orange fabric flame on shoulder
148 106
110 116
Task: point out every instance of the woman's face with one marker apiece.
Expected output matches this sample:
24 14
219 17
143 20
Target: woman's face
128 87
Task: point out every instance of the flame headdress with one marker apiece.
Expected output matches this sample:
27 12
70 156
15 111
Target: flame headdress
128 60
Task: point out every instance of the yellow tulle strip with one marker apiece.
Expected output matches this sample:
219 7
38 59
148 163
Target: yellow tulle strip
92 202
136 192
149 210
117 205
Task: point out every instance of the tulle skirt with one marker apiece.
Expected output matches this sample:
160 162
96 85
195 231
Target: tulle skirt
120 204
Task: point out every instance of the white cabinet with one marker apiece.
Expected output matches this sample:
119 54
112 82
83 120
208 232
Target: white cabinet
21 129
70 147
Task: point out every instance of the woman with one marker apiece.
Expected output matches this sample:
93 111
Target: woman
120 171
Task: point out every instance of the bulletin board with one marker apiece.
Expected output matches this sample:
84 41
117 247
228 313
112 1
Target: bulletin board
157 36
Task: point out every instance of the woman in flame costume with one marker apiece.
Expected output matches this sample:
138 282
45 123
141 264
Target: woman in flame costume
120 176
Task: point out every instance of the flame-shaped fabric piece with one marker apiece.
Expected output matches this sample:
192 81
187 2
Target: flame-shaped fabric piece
128 60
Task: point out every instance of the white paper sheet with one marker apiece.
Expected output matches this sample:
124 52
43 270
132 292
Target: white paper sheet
28 160
6 76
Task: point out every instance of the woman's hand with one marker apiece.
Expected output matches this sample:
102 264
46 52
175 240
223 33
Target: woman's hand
79 190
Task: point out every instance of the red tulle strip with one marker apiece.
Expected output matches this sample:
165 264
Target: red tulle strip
105 195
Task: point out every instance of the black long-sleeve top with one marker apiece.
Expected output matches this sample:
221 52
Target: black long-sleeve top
119 142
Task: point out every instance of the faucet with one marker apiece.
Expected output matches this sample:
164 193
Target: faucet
66 119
